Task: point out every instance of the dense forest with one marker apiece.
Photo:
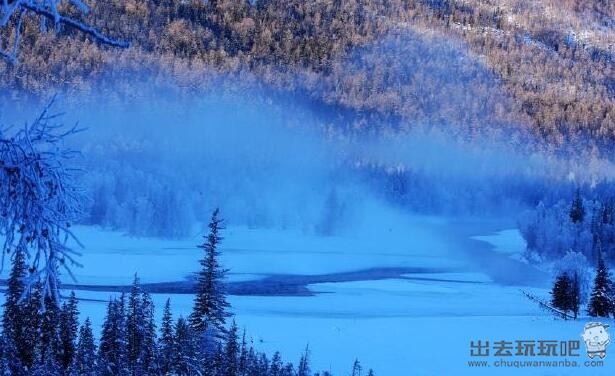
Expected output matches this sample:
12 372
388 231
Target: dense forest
543 66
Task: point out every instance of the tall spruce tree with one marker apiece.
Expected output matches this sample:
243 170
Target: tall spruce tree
14 324
577 211
600 304
565 294
10 363
231 352
69 326
135 322
166 346
356 368
85 361
186 361
148 354
304 363
210 305
113 348
276 365
242 366
49 347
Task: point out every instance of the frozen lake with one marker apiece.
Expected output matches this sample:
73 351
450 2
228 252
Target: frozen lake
398 298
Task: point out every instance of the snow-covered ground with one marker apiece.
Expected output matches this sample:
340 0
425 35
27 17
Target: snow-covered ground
420 322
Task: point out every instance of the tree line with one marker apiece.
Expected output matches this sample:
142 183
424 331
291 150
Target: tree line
42 336
557 77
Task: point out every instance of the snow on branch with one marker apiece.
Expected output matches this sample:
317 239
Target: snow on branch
39 198
46 10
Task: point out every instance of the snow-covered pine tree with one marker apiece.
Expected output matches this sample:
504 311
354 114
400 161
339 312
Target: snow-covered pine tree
49 347
577 211
231 352
276 366
574 295
263 365
148 355
33 316
242 365
69 326
560 294
135 323
216 366
10 363
185 361
600 304
166 345
46 364
304 363
112 355
14 324
288 370
85 361
356 368
370 372
210 305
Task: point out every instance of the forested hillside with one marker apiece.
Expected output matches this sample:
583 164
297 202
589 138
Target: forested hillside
543 65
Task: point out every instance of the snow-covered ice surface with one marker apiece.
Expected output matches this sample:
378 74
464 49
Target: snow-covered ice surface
418 323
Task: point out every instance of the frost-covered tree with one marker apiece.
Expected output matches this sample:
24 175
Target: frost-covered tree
276 366
304 363
166 345
47 365
15 327
356 368
85 359
231 352
54 12
112 350
577 211
50 343
147 361
576 264
210 305
600 304
39 197
69 326
186 360
10 362
566 293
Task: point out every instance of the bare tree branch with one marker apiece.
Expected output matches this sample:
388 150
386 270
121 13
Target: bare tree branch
47 10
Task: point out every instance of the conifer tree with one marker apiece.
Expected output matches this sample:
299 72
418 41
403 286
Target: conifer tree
135 322
210 305
85 361
185 361
112 349
166 346
600 304
356 368
231 352
33 316
50 345
14 324
242 366
147 361
560 292
10 363
304 366
574 295
276 365
46 364
577 211
69 326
